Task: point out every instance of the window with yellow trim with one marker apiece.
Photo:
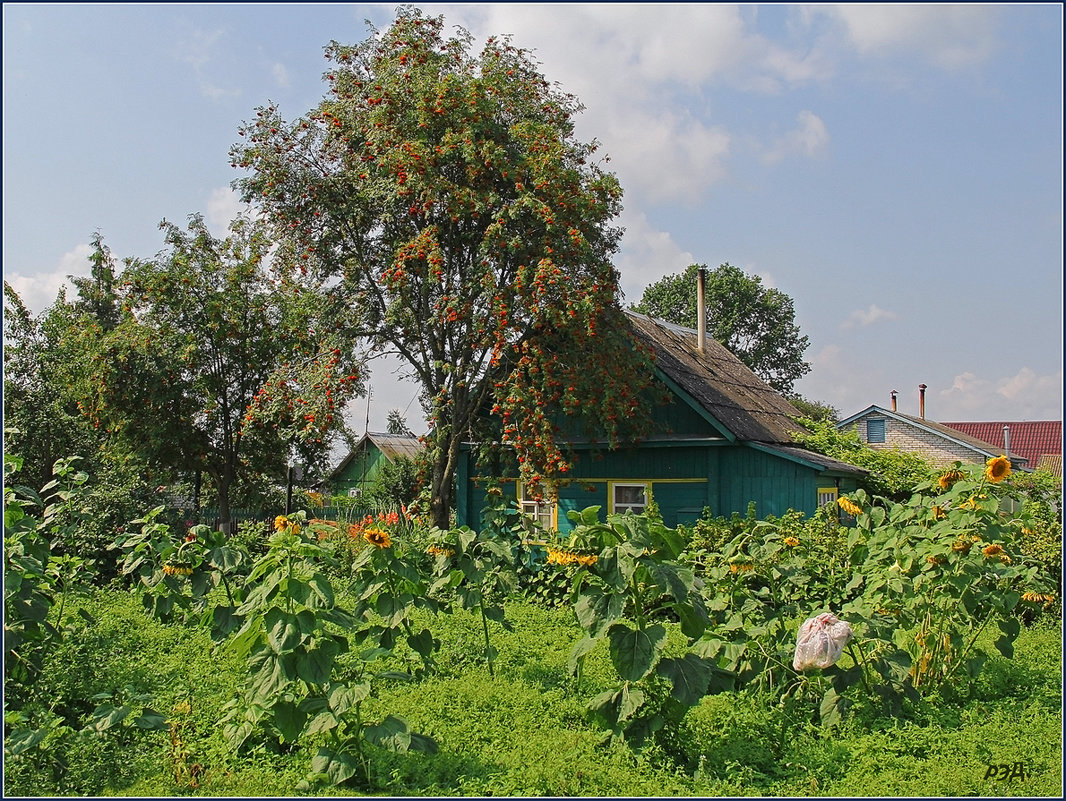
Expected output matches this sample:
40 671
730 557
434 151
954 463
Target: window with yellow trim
541 510
827 495
629 497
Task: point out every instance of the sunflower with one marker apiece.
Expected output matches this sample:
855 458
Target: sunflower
849 506
947 481
938 513
997 469
280 523
741 567
961 546
992 550
377 537
791 542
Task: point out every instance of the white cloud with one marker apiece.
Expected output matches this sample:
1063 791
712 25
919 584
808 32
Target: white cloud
1026 395
198 50
281 75
869 316
223 206
629 63
951 36
646 255
809 139
39 291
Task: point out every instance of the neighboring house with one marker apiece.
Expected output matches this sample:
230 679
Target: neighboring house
937 443
1038 441
729 444
361 468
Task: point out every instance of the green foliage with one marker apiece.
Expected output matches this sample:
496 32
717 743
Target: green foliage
938 569
475 570
397 485
178 573
37 583
389 586
628 581
754 323
180 378
893 473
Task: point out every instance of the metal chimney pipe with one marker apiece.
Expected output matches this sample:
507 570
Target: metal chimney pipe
894 393
1006 441
701 309
921 401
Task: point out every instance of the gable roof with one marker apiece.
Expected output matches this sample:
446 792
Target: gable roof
1033 439
985 449
731 397
723 386
393 446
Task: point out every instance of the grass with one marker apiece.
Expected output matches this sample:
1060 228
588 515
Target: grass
526 732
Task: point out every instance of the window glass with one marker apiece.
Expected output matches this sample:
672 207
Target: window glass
542 511
630 498
827 495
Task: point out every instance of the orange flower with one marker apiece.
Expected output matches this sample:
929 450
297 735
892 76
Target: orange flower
992 550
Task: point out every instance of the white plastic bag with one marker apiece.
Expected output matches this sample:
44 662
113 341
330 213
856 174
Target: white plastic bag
820 642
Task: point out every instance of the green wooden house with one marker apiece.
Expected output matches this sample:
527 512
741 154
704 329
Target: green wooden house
729 443
362 467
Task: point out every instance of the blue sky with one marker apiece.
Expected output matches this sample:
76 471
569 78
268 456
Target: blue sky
895 169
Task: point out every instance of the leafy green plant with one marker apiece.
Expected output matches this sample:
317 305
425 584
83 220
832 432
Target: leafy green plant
388 586
292 640
476 571
627 585
938 569
179 572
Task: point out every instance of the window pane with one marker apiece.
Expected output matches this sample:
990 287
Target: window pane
629 495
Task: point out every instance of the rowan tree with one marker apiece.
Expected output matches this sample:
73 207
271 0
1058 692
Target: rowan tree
755 323
471 234
208 329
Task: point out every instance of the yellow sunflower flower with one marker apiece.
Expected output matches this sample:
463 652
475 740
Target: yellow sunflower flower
377 537
281 523
992 550
849 506
791 542
997 469
948 479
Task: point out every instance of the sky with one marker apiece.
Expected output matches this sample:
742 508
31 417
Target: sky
894 169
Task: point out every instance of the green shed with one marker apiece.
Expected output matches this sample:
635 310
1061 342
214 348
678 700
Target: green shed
362 466
729 444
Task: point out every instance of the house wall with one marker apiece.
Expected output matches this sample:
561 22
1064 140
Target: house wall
929 445
360 472
685 480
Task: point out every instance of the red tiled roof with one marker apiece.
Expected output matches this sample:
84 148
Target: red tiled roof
1030 439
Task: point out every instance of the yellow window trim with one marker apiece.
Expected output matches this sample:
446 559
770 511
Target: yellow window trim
627 482
553 505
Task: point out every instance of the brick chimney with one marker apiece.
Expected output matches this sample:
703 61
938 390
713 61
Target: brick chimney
921 401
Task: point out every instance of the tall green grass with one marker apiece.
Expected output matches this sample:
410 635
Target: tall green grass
526 732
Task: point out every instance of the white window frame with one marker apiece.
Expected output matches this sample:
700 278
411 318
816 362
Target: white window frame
621 508
544 513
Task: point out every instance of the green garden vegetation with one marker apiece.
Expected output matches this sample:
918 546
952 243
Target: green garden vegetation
388 657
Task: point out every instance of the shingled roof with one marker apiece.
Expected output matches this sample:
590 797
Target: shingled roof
1039 441
392 445
724 386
